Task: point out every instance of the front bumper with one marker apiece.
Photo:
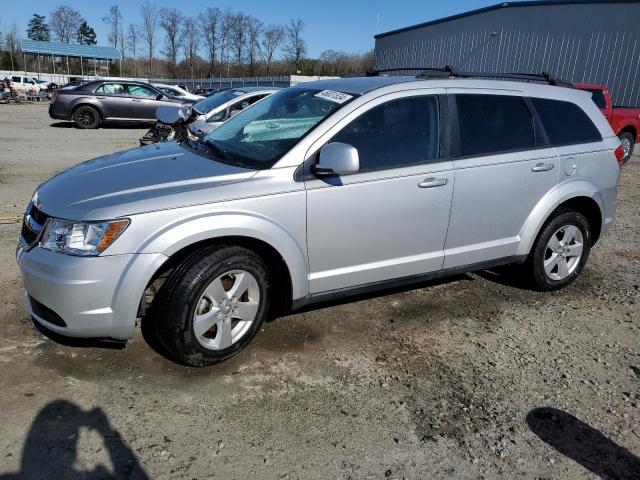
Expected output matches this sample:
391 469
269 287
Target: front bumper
95 297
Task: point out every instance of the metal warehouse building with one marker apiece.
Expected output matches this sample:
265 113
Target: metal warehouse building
580 41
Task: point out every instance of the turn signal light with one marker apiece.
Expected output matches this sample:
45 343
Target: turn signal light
620 155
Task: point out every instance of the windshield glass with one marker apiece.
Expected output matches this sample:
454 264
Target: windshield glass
259 136
215 100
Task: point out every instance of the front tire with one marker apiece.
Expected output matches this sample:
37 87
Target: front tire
87 117
213 305
628 142
560 251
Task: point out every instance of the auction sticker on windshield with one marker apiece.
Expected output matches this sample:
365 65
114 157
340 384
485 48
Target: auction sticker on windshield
334 96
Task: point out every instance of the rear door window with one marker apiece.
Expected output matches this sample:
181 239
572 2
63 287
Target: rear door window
565 123
111 89
141 91
492 124
395 134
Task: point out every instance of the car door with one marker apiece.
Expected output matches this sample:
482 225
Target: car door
390 219
143 102
114 100
502 170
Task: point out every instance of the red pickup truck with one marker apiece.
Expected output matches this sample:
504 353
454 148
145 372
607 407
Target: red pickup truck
624 121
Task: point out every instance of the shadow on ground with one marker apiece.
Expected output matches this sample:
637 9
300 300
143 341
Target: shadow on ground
51 448
583 444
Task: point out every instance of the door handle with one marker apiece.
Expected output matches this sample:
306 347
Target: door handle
101 98
433 182
135 100
542 167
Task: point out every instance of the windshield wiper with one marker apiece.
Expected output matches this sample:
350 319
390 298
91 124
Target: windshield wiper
219 151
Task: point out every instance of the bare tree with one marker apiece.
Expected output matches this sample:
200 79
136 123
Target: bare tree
132 42
239 38
171 21
191 37
270 41
226 29
295 48
12 46
149 30
209 23
65 22
254 29
114 20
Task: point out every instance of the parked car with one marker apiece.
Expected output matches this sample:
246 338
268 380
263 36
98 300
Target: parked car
177 92
625 121
92 103
22 84
320 191
180 122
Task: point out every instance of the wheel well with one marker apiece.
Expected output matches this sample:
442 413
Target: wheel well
73 111
281 284
631 130
590 209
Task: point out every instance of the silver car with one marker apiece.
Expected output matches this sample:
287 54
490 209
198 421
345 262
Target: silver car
320 191
214 110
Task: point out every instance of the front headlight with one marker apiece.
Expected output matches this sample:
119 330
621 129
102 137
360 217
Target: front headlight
81 238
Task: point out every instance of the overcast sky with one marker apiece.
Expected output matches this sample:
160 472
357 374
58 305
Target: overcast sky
347 25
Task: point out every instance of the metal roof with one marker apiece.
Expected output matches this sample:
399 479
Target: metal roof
70 50
499 6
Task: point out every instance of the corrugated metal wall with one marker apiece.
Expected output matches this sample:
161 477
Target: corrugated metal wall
582 43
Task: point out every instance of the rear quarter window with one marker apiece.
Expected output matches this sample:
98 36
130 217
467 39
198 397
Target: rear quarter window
565 123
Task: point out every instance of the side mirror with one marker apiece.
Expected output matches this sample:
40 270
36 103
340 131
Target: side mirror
159 96
337 159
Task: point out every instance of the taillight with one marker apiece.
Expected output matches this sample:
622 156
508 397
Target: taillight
620 155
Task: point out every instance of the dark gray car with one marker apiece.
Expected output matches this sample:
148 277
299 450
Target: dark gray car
91 104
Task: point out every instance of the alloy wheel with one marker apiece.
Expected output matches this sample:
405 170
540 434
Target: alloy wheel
226 310
563 253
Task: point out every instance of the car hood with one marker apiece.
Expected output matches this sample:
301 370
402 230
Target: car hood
154 177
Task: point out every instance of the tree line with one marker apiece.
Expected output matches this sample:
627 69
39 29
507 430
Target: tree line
166 43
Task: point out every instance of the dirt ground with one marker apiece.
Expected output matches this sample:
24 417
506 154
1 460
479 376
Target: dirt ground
469 378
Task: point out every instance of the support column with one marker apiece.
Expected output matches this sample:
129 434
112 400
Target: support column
68 71
81 68
39 69
24 60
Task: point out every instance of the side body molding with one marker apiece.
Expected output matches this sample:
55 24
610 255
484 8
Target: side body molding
559 194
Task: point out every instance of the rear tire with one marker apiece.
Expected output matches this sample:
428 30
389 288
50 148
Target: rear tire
628 142
560 251
87 117
213 305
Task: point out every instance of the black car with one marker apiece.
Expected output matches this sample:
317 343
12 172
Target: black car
92 103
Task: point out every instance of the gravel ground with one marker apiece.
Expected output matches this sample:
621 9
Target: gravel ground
468 378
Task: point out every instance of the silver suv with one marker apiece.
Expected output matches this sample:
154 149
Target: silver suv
320 191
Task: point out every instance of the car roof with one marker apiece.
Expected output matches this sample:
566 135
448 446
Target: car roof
254 89
356 85
362 85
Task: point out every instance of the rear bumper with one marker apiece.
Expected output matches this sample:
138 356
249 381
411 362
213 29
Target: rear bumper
58 113
86 297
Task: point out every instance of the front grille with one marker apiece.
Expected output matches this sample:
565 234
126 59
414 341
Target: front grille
32 224
46 313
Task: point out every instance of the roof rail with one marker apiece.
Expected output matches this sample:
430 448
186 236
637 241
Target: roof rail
451 72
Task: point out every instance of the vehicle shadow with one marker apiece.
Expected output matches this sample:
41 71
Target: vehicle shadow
108 126
51 447
583 444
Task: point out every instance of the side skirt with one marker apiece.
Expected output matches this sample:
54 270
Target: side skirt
332 295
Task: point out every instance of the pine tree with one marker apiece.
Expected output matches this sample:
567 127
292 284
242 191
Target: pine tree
86 34
37 29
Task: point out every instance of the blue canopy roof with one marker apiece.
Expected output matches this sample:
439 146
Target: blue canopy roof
70 50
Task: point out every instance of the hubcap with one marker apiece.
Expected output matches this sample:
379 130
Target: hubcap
563 253
226 310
